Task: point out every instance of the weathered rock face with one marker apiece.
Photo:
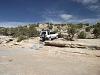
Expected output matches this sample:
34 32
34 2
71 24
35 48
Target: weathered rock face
57 44
97 48
9 40
81 46
43 26
0 42
16 43
71 45
89 35
94 47
5 39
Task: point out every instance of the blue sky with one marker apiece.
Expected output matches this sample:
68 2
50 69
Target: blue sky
15 12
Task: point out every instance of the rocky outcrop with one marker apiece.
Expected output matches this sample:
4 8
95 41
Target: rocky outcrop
61 44
94 47
9 40
57 44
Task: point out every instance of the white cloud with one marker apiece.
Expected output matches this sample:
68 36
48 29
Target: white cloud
86 1
66 16
89 20
12 24
94 7
56 17
52 20
90 4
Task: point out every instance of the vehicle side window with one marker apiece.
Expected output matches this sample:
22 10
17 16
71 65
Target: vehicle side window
48 33
52 32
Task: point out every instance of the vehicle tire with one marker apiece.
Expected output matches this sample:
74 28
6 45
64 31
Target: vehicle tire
56 37
50 39
42 40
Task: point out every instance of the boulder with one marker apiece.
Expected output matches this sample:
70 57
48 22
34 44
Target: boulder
97 48
9 40
16 44
81 46
73 46
94 47
68 45
0 42
57 44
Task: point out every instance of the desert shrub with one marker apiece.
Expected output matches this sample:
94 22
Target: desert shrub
71 31
18 31
30 31
97 25
96 32
33 31
87 29
60 35
80 25
56 31
4 31
59 27
82 35
86 24
50 26
21 37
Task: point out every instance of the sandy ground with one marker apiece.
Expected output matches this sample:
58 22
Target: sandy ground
46 60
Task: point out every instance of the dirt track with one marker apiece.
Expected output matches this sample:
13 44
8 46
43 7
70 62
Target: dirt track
43 62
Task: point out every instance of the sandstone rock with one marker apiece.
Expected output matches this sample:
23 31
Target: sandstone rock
97 55
9 40
16 44
94 47
0 42
68 45
73 46
49 43
97 48
81 46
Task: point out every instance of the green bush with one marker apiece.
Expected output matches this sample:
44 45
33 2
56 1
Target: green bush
21 37
50 27
71 31
82 35
33 31
87 29
80 25
60 35
96 32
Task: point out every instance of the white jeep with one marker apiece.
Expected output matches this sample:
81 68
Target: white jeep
48 35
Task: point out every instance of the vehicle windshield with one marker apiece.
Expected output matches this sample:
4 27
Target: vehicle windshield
43 33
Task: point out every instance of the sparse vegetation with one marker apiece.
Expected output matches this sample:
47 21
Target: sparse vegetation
71 31
87 29
96 30
21 32
32 31
21 37
59 35
82 35
50 26
24 32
